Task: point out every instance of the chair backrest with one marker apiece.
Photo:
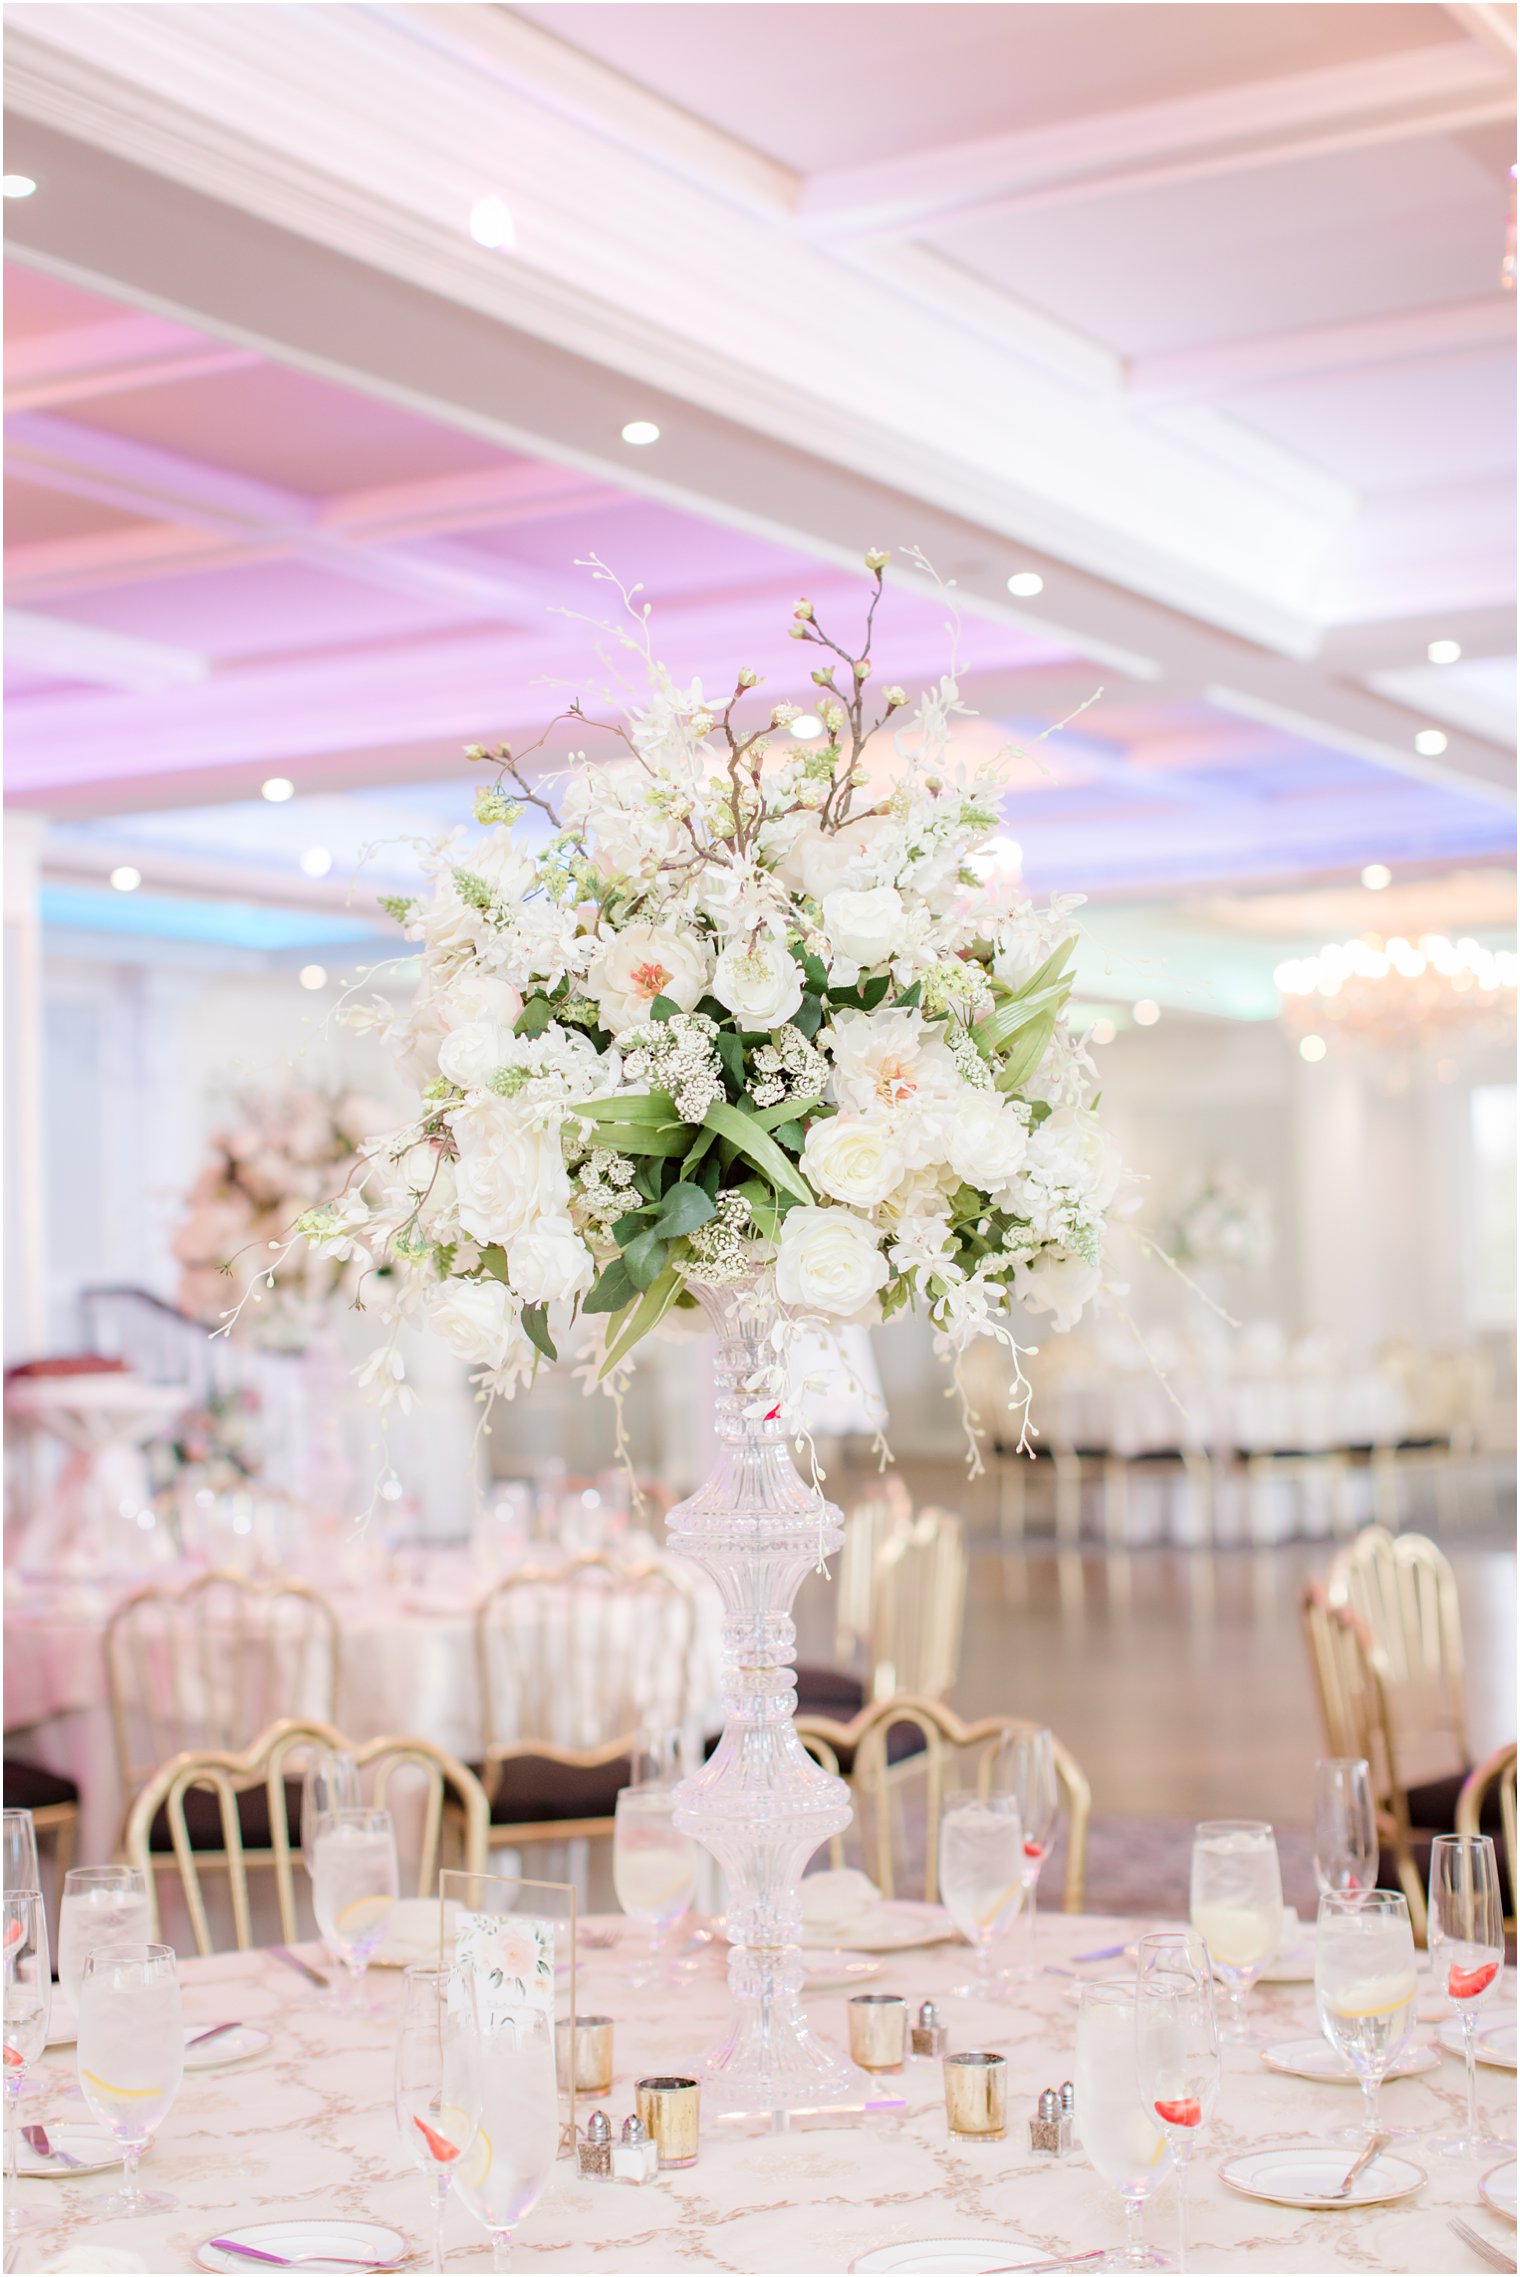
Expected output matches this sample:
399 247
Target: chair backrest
277 1756
582 1655
918 1608
1403 1590
1497 1770
213 1664
1351 1679
878 1517
949 1756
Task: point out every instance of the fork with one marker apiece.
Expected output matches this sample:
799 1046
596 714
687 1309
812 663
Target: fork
1492 2254
307 2261
36 2138
1032 2268
215 2033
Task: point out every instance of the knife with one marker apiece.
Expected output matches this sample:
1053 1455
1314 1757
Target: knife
215 2033
36 2139
294 1961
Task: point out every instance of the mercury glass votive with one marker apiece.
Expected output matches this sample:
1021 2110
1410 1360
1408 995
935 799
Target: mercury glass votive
878 2031
670 2109
976 2096
593 2053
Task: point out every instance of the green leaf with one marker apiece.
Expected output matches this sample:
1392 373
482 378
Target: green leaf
731 1052
872 991
999 1027
792 1135
614 1289
683 1209
534 1017
663 1008
1027 1051
817 972
639 1138
712 1172
1055 964
535 1319
645 1258
909 997
652 1308
630 1223
637 1107
757 1146
493 1259
784 1111
808 1017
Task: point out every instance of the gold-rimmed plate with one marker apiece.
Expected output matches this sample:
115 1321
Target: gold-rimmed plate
1316 2059
1309 2175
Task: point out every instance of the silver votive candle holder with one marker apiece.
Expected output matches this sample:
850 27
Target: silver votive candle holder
670 2110
878 2031
976 2097
593 2054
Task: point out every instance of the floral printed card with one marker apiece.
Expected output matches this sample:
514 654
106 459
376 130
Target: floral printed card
511 1958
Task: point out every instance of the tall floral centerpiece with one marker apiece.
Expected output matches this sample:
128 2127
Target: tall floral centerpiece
736 1018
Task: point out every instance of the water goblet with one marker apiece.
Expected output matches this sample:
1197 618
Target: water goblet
355 1881
101 1905
1024 1765
1115 2123
28 1990
1465 1934
1235 1904
654 1870
1365 1985
1345 1831
131 2058
513 2158
981 1876
18 1850
1177 2047
330 1783
438 2081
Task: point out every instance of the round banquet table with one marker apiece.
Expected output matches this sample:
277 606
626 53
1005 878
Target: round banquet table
308 2129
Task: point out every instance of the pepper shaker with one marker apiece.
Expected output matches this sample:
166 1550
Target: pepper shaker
929 2035
635 2158
595 2153
1045 2128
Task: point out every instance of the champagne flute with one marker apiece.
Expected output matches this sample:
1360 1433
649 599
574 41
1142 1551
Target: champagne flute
1115 2123
438 2082
1345 1831
1025 1767
1364 1984
656 1760
1236 1906
18 1847
102 1905
1177 2047
504 2175
654 1869
329 1784
355 1882
1466 1938
28 1993
981 1876
131 2058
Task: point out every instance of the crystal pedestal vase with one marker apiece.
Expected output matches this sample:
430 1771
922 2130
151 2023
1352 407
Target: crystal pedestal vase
760 1804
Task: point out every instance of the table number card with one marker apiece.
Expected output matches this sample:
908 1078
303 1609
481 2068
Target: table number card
510 1957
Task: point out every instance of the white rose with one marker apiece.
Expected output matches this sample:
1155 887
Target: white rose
635 966
828 1260
985 1141
761 986
509 1176
549 1262
864 926
507 870
610 806
476 995
854 1159
471 1054
1059 1282
1072 1150
477 1320
863 853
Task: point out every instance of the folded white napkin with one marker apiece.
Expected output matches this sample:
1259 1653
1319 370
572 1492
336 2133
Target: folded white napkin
834 1899
96 2261
411 1934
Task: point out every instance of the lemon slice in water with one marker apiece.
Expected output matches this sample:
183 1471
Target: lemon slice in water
121 2094
363 1915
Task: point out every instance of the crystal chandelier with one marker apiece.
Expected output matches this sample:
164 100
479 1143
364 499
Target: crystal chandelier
1403 993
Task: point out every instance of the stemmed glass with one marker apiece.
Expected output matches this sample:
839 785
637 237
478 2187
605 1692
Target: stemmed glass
101 1905
981 1876
654 1870
1466 1938
1115 2123
1364 1983
1025 1767
329 1784
1345 1831
18 1850
355 1881
1177 2047
504 2176
1236 1906
28 1995
131 2058
438 2082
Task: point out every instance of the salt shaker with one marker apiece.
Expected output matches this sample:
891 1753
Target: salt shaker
595 2153
1068 2099
929 2035
635 2158
1050 2128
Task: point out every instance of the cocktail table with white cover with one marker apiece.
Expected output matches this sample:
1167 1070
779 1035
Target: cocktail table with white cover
308 2129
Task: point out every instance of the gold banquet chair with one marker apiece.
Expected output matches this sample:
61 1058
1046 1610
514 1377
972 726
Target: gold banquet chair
574 1662
272 1767
1497 1771
863 1752
878 1518
1403 1590
918 1608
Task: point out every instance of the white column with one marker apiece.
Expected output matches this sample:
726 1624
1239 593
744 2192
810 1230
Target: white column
26 1324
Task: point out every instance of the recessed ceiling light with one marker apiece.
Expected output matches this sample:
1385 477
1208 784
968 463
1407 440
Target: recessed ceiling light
1430 743
126 879
805 727
640 431
316 861
1101 1032
491 225
17 185
313 976
1147 1012
277 790
1376 876
1444 651
1025 583
1312 1048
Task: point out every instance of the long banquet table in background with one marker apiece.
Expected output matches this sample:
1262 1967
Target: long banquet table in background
308 2129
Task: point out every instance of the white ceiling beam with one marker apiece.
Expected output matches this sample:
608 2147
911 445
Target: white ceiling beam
64 650
1416 91
70 858
1492 26
79 361
1241 366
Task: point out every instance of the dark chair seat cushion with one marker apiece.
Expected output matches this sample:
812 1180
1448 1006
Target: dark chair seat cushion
29 1788
203 1818
1433 1811
830 1692
533 1790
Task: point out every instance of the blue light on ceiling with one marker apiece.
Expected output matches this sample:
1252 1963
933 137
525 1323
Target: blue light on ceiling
229 924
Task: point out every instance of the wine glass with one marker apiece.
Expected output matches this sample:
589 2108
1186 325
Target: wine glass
131 2058
355 1881
438 2081
1024 1765
28 1995
654 1868
330 1783
981 1876
1466 1938
1115 2123
1177 2047
101 1905
18 1849
504 2176
1236 1906
1345 1831
1364 1984
656 1758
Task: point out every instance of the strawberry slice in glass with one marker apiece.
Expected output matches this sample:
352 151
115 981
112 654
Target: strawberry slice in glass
1182 2111
1466 1984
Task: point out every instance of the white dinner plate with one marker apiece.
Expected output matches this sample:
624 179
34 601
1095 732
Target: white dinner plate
63 2024
1295 1965
234 2047
1316 2059
947 2257
306 2240
92 2148
830 1970
1495 2044
1302 2174
1497 2189
889 1927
